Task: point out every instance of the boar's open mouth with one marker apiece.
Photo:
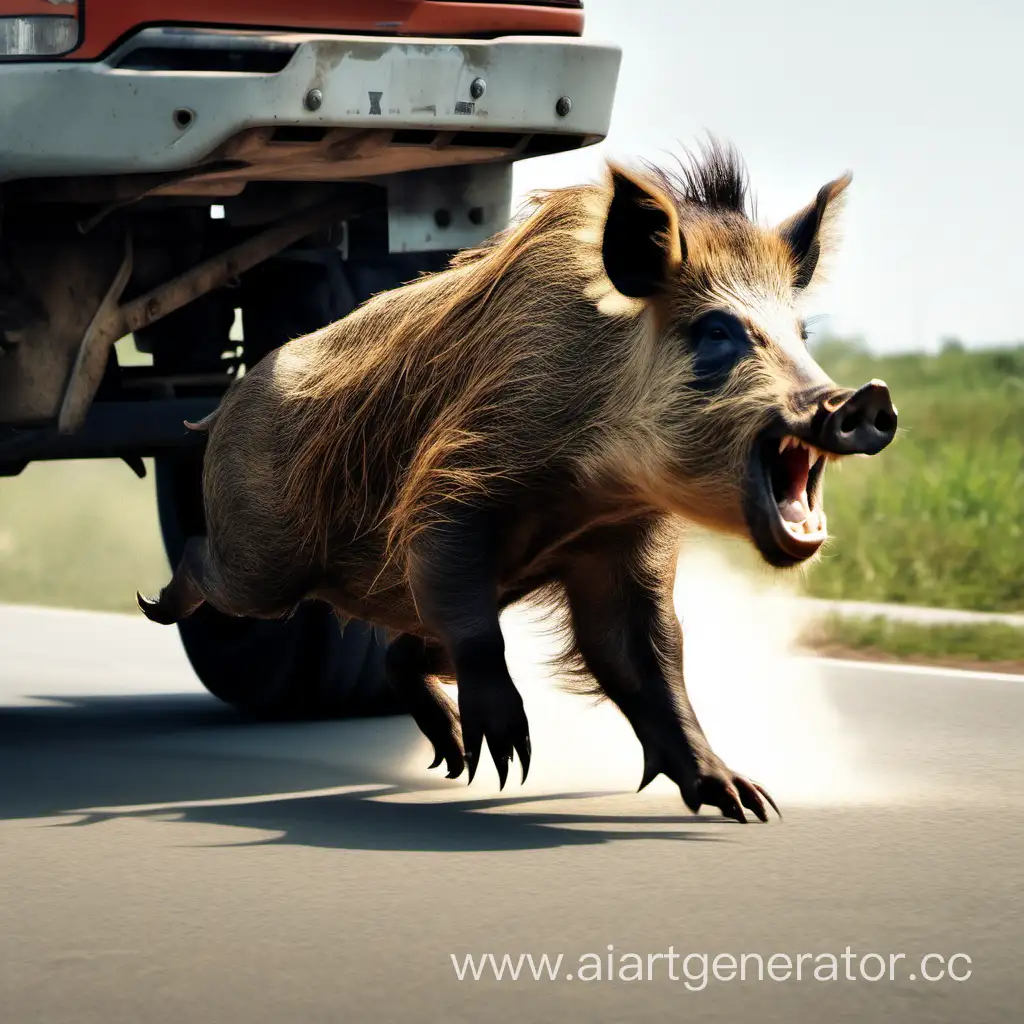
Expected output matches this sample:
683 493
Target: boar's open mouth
782 498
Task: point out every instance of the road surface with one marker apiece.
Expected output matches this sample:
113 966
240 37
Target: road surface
161 861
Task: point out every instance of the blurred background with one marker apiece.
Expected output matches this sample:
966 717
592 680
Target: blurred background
921 101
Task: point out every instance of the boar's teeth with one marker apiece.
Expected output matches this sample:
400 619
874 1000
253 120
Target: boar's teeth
793 510
815 523
810 524
789 441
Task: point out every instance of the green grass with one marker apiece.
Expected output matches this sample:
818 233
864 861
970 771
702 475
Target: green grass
982 643
79 535
937 518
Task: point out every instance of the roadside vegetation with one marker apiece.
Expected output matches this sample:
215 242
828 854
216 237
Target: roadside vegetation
79 535
938 518
991 646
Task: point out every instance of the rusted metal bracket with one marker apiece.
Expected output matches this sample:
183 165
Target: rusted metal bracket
113 321
92 353
146 185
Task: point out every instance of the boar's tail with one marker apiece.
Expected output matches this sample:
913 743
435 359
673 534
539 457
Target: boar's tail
203 425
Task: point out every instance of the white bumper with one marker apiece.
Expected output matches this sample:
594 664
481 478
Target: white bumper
61 119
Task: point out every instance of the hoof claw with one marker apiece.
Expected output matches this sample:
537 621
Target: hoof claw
708 782
494 711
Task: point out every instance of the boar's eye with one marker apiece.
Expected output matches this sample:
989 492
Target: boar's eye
718 341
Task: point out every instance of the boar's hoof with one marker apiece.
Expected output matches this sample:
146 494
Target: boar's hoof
712 783
443 733
453 759
494 711
728 791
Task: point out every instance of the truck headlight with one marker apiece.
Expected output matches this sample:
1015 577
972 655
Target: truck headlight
44 36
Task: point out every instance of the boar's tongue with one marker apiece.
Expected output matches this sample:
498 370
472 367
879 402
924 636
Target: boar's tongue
796 465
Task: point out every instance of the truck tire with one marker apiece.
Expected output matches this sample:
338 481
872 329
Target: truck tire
301 667
304 666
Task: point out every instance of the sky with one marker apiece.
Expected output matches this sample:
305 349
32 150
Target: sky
922 101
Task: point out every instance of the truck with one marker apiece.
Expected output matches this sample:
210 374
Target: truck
214 177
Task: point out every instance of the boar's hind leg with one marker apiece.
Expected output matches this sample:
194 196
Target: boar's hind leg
629 639
455 586
184 594
409 662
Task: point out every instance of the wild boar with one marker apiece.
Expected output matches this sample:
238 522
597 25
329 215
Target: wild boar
544 416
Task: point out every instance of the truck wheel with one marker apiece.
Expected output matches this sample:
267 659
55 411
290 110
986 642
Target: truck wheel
305 666
302 667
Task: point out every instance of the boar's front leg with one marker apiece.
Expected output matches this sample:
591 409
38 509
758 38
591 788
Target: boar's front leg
455 585
629 639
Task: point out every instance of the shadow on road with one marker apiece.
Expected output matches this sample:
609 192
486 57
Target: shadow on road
188 758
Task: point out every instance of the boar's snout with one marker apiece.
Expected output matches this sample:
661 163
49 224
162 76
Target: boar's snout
863 424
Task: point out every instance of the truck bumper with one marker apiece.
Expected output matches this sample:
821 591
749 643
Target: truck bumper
111 117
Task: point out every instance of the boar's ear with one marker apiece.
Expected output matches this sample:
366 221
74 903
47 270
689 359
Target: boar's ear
641 240
807 233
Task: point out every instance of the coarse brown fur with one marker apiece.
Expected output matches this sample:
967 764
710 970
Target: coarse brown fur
520 382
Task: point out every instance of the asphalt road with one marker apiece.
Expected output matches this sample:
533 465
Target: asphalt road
161 861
